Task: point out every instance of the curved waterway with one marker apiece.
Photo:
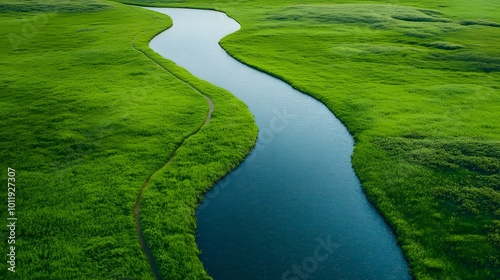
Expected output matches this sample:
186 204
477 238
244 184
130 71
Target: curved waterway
294 209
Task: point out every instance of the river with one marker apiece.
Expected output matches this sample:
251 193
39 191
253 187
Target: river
294 209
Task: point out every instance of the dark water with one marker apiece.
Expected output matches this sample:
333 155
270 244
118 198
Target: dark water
294 209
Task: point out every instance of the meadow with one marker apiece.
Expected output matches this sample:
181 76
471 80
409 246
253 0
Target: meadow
86 119
417 84
89 113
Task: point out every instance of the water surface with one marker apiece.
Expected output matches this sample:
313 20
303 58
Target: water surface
294 209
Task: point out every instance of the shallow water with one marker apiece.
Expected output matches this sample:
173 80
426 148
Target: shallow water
294 209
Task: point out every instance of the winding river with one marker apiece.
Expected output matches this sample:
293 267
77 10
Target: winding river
294 209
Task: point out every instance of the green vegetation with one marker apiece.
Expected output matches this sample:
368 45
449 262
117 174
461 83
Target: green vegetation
417 83
86 119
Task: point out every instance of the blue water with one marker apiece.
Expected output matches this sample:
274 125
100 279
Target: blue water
294 209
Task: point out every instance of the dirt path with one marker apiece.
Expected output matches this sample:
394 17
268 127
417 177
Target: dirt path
137 206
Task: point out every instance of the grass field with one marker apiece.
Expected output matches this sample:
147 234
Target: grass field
86 119
417 83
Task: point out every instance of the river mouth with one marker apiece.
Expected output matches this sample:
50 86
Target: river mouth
294 209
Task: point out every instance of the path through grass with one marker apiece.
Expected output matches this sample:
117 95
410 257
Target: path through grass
417 83
86 119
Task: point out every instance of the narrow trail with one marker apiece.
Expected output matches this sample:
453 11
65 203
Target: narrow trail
144 246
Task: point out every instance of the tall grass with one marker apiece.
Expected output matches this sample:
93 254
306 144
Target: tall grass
417 84
86 119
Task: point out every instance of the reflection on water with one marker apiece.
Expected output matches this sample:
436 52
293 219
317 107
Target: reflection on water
294 209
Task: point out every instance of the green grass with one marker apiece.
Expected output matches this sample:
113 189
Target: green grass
417 83
86 119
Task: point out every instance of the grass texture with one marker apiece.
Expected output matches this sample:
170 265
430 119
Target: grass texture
417 83
86 119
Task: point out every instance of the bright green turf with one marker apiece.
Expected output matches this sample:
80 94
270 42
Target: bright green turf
85 120
417 83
